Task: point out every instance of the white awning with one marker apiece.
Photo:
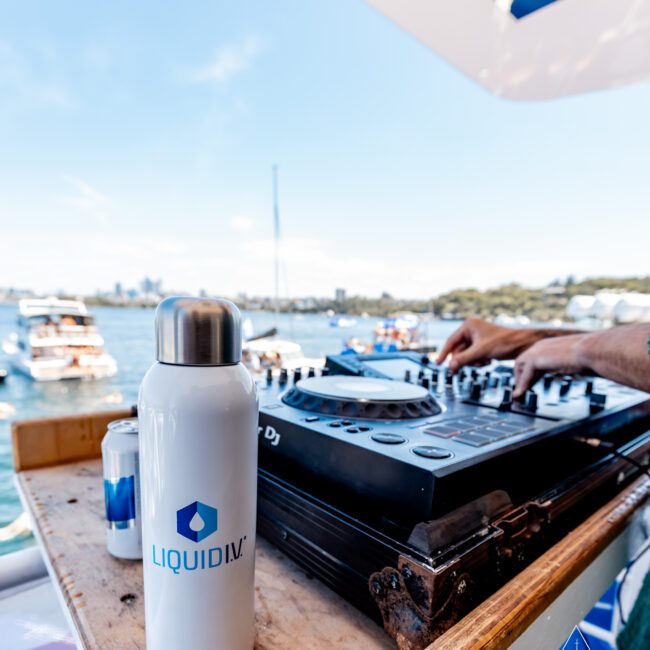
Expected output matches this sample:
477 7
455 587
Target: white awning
534 49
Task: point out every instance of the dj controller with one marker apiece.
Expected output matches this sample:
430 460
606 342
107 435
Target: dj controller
397 430
414 492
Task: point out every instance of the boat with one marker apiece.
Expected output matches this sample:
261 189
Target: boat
512 321
342 321
58 339
633 308
262 353
399 331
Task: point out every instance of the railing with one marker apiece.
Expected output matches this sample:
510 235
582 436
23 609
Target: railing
63 331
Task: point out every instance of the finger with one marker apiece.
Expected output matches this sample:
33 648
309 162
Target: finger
463 345
452 342
525 377
474 354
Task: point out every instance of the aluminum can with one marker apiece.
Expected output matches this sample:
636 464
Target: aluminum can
120 456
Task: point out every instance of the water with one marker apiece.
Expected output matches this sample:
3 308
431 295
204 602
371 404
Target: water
129 338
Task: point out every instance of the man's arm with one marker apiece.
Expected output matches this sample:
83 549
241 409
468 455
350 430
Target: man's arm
477 342
620 354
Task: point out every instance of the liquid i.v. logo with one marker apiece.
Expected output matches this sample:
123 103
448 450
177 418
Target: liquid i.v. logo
196 522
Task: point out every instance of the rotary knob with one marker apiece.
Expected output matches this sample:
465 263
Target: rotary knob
284 376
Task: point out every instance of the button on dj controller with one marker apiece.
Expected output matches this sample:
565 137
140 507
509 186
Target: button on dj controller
388 438
431 452
362 427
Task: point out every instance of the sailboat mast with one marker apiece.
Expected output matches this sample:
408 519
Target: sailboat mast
276 238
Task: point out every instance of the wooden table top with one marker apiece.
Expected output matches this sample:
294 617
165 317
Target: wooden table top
104 595
59 476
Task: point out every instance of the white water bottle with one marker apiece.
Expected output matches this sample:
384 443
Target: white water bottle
198 412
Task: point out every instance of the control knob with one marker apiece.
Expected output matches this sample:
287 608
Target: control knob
597 402
506 400
530 401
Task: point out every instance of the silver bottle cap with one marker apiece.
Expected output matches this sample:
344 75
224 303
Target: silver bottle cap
198 332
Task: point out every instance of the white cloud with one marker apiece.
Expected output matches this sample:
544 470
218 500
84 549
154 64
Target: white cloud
87 199
227 62
20 88
242 223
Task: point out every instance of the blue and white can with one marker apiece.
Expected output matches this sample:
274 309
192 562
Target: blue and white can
122 489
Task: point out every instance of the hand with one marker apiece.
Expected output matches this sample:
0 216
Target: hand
477 342
561 354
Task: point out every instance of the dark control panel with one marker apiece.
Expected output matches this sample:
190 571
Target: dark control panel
397 429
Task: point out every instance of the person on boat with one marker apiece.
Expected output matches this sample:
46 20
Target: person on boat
621 354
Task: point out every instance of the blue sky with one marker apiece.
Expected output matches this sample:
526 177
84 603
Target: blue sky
138 138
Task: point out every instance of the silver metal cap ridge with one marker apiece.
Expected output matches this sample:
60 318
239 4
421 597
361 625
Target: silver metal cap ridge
198 332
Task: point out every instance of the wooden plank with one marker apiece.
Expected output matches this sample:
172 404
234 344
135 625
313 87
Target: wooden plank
503 617
52 441
104 595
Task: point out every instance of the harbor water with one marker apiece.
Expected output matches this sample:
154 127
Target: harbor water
129 337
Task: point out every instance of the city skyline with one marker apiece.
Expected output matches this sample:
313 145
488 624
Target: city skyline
132 151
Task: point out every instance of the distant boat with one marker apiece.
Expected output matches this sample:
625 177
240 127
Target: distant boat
342 321
399 331
58 339
263 353
633 308
504 319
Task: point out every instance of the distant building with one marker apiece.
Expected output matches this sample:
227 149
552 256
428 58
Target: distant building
339 295
386 296
203 293
118 291
149 286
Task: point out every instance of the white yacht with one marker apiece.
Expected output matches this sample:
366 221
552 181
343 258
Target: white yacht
58 339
